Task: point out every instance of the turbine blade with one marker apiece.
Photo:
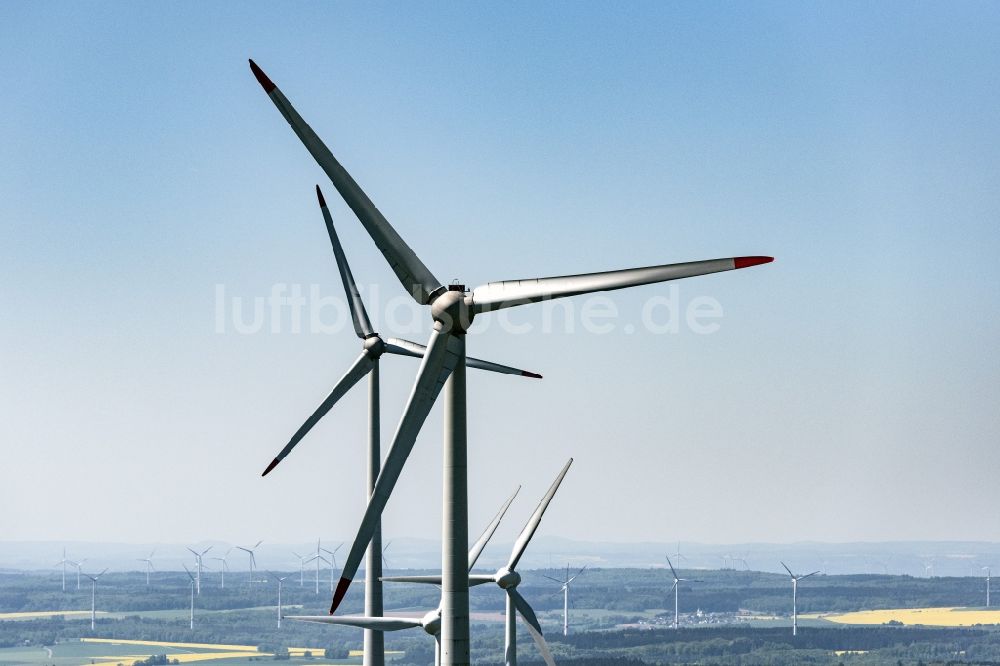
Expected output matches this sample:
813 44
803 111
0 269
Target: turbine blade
576 575
362 326
484 538
497 295
535 519
416 279
402 347
671 565
361 367
788 570
808 574
554 580
439 361
376 623
531 622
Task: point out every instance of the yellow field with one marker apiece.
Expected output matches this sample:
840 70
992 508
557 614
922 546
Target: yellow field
935 617
32 614
216 650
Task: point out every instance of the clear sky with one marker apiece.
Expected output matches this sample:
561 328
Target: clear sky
849 393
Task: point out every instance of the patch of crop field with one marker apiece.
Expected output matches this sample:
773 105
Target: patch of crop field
33 615
932 617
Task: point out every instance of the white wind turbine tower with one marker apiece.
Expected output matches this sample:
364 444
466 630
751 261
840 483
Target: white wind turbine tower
64 562
302 568
507 579
317 557
453 310
253 560
430 622
281 580
199 565
194 584
795 597
78 565
374 346
675 589
987 570
223 567
149 564
565 590
93 596
332 561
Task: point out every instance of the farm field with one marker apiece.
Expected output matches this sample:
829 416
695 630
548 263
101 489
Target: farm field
931 617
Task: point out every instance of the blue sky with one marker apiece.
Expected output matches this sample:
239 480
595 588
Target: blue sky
850 392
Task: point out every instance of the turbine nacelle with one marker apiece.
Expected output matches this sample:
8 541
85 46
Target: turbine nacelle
506 578
452 311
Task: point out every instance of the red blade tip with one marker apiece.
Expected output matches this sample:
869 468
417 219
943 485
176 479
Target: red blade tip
745 262
338 596
274 463
533 375
262 79
322 201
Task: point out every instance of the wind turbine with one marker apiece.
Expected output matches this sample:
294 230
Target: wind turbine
385 560
149 564
64 562
333 562
93 596
253 560
675 589
281 580
317 558
223 567
444 361
565 590
302 568
987 570
198 557
430 622
194 584
374 346
78 566
507 579
795 596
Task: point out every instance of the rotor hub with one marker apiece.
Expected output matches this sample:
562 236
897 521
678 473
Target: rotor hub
507 579
374 346
451 311
432 622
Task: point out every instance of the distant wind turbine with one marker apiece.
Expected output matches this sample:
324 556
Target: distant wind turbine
317 557
93 596
795 596
223 567
64 562
675 589
194 584
198 559
565 590
332 561
302 568
149 564
987 569
253 560
78 566
281 580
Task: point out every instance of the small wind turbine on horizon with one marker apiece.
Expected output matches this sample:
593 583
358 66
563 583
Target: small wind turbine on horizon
199 564
93 596
194 584
795 596
281 580
253 560
987 570
78 566
223 567
565 590
332 561
302 568
676 590
64 562
149 564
